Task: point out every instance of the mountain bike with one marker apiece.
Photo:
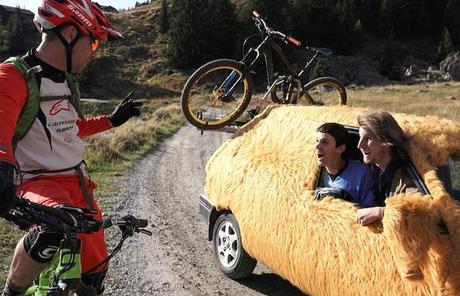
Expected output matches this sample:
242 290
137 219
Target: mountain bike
218 92
63 276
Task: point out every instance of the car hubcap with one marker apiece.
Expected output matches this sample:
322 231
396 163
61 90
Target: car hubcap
227 244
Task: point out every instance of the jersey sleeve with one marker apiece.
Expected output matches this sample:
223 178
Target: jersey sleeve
93 125
367 190
13 96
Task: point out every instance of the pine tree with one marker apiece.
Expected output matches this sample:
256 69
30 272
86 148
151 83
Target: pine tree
346 37
370 15
452 20
300 22
423 22
358 33
185 31
15 36
274 12
389 63
223 28
445 45
385 21
201 30
404 13
164 17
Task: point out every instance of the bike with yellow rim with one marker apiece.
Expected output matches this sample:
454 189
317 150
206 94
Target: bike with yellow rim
219 92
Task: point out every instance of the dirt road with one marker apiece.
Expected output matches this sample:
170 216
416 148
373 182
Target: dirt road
177 260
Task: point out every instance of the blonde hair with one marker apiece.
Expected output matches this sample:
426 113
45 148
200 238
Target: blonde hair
383 126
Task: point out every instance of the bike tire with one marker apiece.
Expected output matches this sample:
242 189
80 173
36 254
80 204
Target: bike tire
207 84
323 91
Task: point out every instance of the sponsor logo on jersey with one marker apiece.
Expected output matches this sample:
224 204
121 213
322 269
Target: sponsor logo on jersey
59 106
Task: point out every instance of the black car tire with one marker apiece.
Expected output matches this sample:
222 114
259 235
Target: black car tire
231 258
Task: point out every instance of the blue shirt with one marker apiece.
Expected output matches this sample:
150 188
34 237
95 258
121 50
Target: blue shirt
356 179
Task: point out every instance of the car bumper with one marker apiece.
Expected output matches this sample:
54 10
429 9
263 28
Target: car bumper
206 207
209 213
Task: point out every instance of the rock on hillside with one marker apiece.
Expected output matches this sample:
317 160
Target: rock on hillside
355 70
450 67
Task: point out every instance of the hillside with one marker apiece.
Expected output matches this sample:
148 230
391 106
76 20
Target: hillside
139 62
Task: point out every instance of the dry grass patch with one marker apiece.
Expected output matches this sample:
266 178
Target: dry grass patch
440 99
110 153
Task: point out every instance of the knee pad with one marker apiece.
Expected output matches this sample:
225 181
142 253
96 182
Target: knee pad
41 244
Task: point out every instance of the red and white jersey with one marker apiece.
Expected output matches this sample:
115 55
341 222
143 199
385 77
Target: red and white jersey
54 142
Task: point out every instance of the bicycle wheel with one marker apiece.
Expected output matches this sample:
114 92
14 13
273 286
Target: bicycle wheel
216 94
323 91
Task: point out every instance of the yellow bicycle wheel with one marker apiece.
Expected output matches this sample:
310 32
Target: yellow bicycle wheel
216 94
323 91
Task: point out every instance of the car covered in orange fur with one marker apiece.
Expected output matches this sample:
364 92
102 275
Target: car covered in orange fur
259 204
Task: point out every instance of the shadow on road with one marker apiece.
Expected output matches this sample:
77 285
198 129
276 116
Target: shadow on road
271 284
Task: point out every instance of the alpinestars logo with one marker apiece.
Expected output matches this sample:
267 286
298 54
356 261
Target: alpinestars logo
72 6
59 106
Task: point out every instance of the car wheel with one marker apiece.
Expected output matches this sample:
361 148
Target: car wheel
230 255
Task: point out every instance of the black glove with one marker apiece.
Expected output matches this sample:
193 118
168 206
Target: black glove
130 227
7 186
18 216
124 111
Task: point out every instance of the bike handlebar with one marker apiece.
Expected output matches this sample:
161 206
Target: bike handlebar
128 224
264 28
141 223
65 219
61 218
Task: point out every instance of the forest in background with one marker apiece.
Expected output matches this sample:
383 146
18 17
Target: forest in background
374 41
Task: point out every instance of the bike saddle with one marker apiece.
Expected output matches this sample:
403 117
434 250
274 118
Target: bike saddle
322 50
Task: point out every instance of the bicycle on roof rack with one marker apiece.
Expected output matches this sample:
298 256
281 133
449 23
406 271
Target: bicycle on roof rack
63 275
219 92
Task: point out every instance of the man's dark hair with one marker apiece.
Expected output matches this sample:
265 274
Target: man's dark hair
336 130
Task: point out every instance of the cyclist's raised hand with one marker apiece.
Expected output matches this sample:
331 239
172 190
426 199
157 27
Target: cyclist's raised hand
7 186
124 111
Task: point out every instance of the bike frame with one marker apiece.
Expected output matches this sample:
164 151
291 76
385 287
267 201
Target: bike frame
63 271
264 50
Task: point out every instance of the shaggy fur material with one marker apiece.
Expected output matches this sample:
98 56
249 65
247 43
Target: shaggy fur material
266 176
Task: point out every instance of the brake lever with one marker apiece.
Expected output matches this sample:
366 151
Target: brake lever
144 231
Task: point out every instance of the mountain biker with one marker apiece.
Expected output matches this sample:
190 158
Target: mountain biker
49 156
383 145
340 177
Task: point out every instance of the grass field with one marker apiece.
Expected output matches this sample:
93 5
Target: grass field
440 99
109 154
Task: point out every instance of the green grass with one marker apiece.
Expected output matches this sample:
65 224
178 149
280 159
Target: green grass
8 238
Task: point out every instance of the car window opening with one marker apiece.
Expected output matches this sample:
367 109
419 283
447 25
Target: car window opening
353 153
